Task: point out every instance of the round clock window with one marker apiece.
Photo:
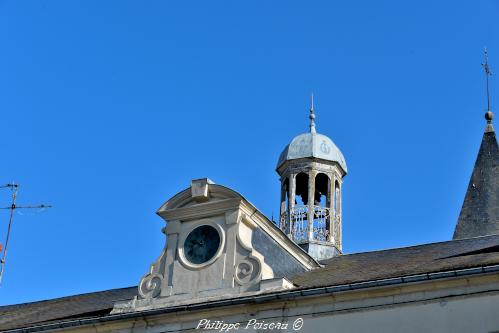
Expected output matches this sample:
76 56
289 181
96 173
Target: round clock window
201 244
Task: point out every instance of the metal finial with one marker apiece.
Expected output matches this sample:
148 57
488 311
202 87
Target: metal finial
488 115
312 115
488 73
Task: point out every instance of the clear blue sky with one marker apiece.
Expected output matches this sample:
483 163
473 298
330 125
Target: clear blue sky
109 108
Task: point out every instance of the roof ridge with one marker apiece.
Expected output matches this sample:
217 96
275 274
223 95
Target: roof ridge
419 245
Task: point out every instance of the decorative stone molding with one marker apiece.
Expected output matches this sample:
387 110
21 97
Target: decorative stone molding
150 284
248 267
237 267
247 271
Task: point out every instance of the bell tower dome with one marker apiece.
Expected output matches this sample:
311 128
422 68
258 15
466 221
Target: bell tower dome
312 168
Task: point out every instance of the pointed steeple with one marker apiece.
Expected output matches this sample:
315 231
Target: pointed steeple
480 212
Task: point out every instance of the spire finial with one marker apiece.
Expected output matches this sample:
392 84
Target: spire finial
488 115
312 114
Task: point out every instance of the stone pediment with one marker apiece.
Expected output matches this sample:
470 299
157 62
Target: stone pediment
201 198
201 190
217 244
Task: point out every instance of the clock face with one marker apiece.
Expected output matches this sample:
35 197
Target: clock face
201 244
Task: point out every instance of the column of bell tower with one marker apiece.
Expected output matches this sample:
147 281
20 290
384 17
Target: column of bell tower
312 168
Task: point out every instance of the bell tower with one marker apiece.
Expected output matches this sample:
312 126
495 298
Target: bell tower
312 168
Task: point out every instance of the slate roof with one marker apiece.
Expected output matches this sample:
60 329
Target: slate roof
345 269
480 212
58 309
406 261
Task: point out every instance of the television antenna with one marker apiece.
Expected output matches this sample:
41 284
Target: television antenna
13 207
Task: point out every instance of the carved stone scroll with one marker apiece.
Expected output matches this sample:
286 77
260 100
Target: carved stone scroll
248 266
150 285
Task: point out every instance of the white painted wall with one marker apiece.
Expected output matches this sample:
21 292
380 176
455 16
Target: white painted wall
470 314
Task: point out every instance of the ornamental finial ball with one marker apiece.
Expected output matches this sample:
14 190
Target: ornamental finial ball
489 116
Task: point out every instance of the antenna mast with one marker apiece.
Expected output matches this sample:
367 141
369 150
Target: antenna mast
14 188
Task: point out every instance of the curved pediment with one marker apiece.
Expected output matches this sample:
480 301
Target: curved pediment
201 191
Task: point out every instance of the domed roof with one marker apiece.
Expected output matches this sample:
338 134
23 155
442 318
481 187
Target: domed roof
312 145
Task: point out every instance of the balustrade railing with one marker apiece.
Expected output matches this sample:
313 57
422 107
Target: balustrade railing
299 225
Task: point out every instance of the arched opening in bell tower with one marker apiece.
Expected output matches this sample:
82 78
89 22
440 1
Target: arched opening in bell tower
321 190
301 192
285 192
307 210
322 200
284 203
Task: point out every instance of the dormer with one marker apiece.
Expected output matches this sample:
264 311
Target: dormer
216 243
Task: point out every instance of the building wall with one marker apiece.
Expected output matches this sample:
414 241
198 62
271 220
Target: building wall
464 304
282 262
479 313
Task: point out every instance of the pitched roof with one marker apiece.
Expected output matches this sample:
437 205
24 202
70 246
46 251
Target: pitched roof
345 269
480 212
406 261
58 309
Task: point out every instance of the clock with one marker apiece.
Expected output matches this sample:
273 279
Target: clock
201 245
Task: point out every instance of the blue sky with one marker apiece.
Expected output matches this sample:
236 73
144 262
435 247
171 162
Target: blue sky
109 108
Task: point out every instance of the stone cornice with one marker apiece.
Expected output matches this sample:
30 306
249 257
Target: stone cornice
207 209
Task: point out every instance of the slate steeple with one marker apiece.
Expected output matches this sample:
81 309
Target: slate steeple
480 212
